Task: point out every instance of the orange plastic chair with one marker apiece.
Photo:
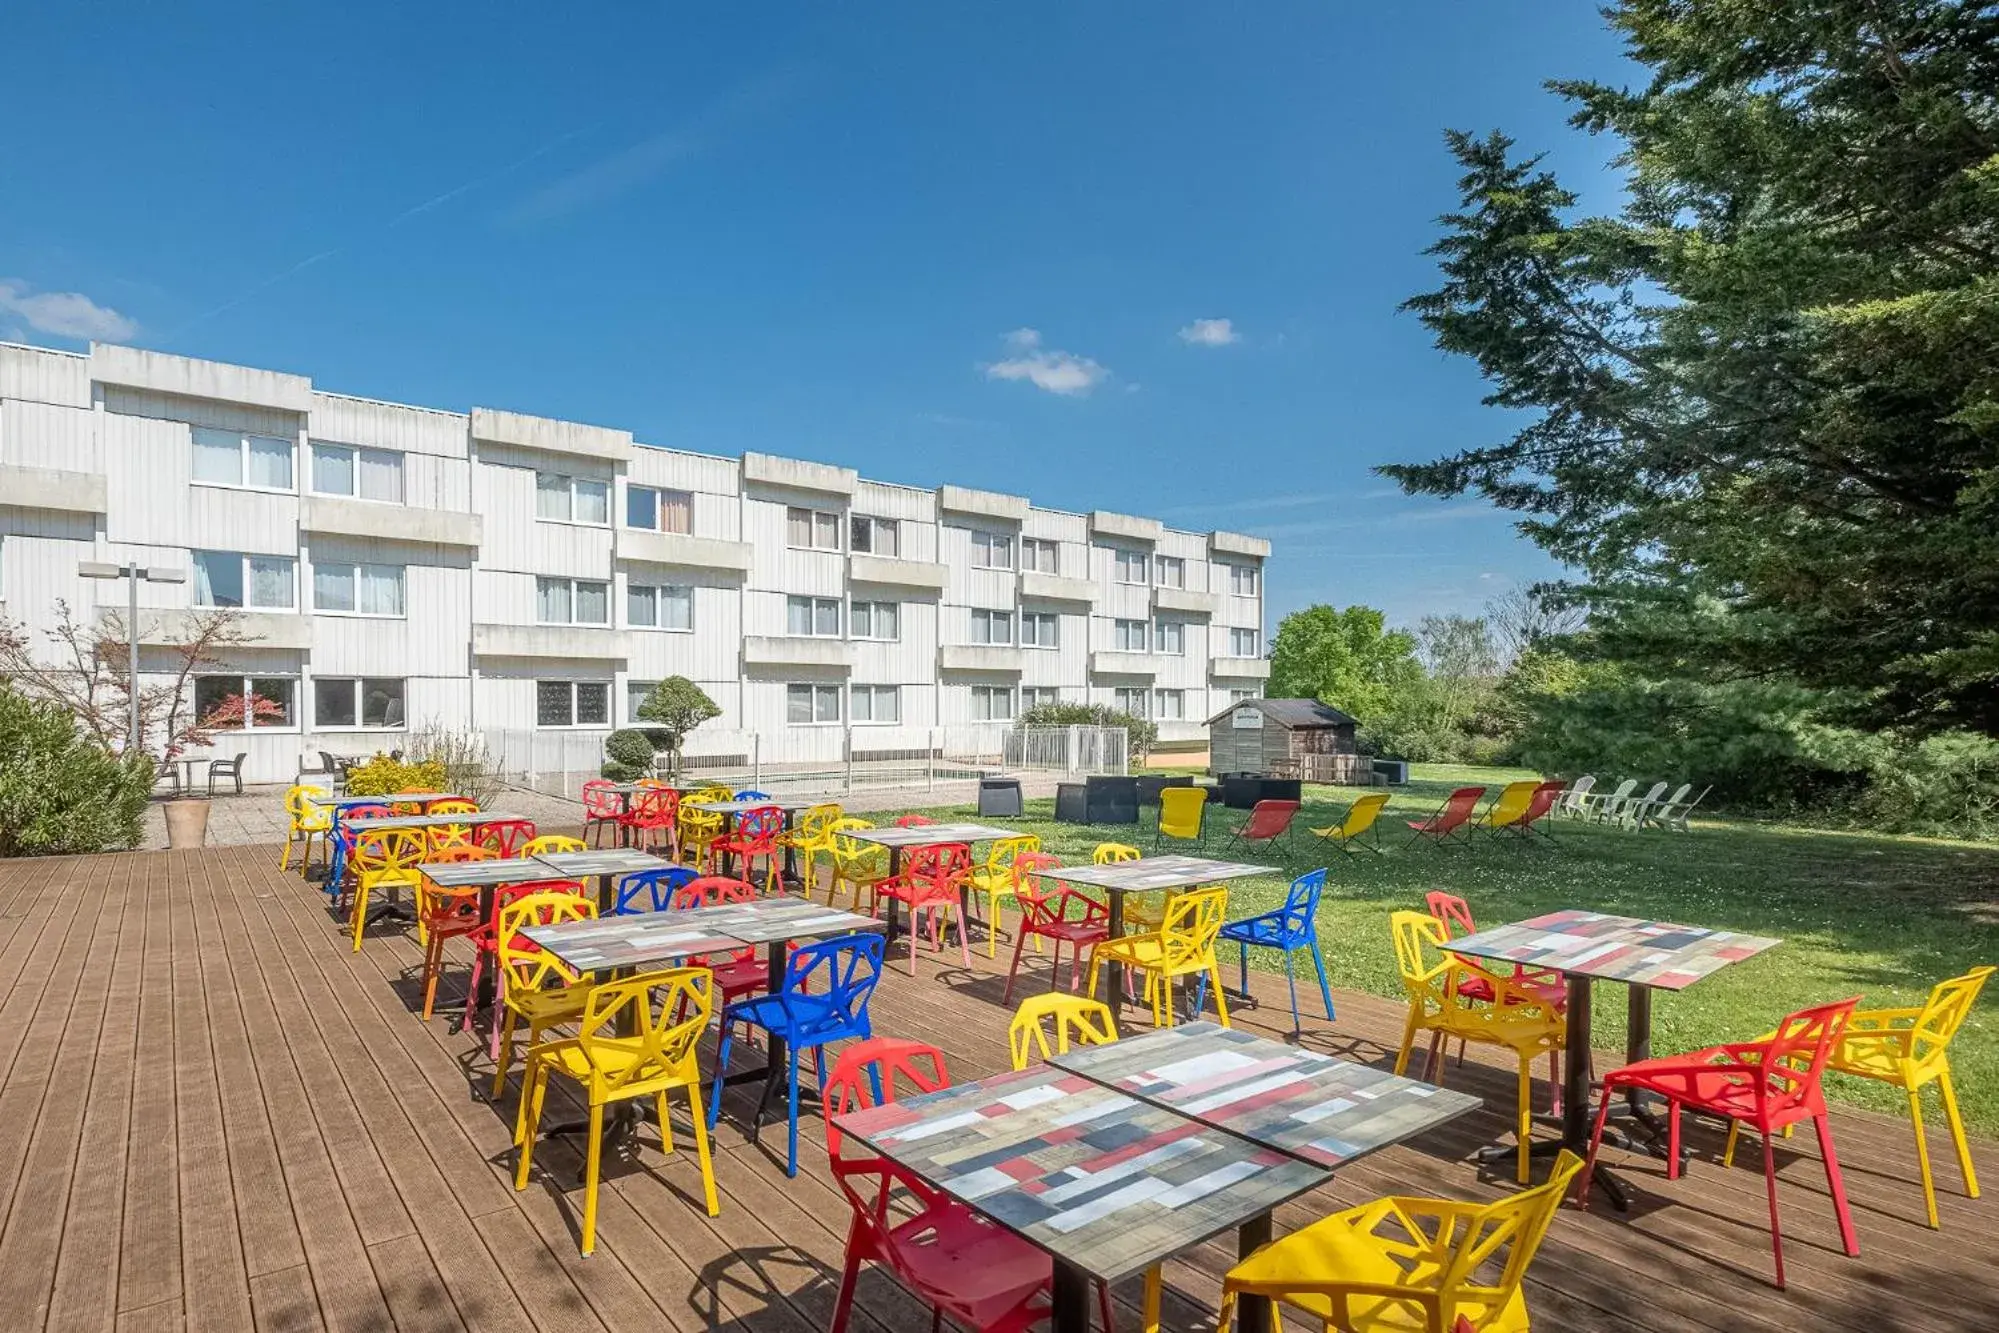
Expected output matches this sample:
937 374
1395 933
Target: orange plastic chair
411 807
1402 1263
386 859
1074 1019
637 1039
535 987
445 914
1520 1019
1184 945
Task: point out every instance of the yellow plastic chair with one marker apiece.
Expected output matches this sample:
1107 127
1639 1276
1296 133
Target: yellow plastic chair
858 866
1910 1049
662 1016
1068 1019
699 828
1521 1019
535 987
385 860
309 820
1406 1264
1112 853
1181 810
553 842
811 833
1359 822
441 836
1184 945
997 878
1508 807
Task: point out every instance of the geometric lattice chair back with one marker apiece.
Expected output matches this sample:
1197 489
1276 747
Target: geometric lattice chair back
1944 1013
1074 1019
662 1014
651 890
390 854
1793 1057
525 965
1515 1224
1450 911
1417 934
1111 853
1000 856
876 1072
1301 902
1193 920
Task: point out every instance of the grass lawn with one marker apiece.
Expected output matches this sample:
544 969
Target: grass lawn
1881 917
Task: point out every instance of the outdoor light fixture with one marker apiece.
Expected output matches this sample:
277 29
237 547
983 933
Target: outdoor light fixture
134 575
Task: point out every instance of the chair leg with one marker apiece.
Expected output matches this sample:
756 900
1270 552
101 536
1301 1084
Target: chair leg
850 1272
592 1157
1836 1185
1672 1140
1957 1134
1523 1128
503 1034
1728 1144
1408 1043
1770 1185
1242 966
433 963
1291 980
1149 1312
1019 939
1923 1157
701 1150
1325 989
360 910
1595 1142
527 1123
791 1155
1221 1004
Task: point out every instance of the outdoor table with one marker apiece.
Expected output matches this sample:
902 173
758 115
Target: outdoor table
1590 946
485 876
471 819
606 864
925 835
1149 874
791 805
1106 1183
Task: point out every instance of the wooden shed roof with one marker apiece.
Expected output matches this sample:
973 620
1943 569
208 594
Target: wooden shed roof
1295 714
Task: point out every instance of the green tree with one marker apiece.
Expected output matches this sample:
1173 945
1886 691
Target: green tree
61 790
1762 400
678 705
1346 658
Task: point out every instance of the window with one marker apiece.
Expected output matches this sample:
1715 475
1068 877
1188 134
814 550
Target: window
636 693
1040 629
1242 580
1038 696
811 705
875 620
876 703
1131 566
661 607
992 550
811 529
367 590
1039 556
1133 700
1169 637
572 703
1169 571
1237 696
1169 705
657 510
231 458
992 626
565 499
239 703
875 536
366 474
1242 643
992 703
816 617
1128 636
226 578
572 602
357 703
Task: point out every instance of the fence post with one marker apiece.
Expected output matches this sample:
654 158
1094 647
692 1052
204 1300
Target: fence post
757 760
930 759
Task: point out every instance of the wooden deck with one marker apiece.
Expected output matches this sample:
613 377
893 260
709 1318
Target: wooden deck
214 1117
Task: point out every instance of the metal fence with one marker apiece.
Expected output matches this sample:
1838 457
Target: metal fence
806 761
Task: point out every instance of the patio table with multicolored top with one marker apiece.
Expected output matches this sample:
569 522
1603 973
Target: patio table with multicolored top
1590 946
1106 1183
898 838
1325 1110
731 811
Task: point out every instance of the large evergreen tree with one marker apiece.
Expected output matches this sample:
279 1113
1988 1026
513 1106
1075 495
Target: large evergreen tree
1764 397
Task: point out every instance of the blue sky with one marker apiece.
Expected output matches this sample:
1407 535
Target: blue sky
1143 258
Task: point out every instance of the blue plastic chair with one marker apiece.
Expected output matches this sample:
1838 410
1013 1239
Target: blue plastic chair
748 795
651 890
342 840
824 999
1291 927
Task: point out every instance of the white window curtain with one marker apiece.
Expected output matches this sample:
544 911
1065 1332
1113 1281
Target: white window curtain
218 456
676 608
380 475
640 606
593 603
551 495
332 470
553 602
271 582
333 587
380 589
593 502
270 463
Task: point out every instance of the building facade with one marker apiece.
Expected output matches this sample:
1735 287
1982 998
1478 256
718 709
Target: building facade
396 565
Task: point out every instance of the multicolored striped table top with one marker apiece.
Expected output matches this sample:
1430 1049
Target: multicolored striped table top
777 920
643 938
485 874
1104 1182
609 861
1150 873
1615 948
1324 1110
930 835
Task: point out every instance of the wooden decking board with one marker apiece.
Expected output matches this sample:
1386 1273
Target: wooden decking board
227 1060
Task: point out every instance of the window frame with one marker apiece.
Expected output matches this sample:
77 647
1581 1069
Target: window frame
357 688
658 591
990 692
1121 626
1121 557
247 683
242 482
812 520
659 496
1240 574
574 583
874 608
874 692
1159 628
1159 713
355 567
354 452
816 691
872 524
1038 544
1054 693
573 480
992 541
991 617
1159 566
813 606
245 579
575 711
1123 694
1053 619
1236 632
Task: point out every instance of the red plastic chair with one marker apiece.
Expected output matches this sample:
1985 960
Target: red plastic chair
932 880
755 834
1765 1085
1268 821
914 821
1534 820
485 939
504 837
1454 814
653 819
736 974
934 1251
602 808
1048 916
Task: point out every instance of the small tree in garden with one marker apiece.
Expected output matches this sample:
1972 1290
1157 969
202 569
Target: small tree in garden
678 705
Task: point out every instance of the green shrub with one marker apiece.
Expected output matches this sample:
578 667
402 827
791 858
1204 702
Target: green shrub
627 755
383 776
60 791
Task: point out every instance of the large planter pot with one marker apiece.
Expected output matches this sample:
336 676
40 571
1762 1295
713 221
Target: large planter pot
187 821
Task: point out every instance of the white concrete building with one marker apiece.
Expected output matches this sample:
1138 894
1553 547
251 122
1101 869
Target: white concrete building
398 565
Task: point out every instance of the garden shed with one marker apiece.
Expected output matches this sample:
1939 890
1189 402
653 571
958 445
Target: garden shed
1286 738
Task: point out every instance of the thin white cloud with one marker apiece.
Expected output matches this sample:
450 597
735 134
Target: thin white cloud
1210 333
65 314
1046 368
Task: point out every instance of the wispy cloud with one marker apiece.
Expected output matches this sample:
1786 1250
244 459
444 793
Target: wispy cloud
1046 368
1210 333
65 314
632 166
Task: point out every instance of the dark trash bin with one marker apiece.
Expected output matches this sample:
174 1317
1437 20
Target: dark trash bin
1112 800
999 796
1072 803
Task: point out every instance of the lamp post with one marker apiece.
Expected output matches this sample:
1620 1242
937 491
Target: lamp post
134 574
